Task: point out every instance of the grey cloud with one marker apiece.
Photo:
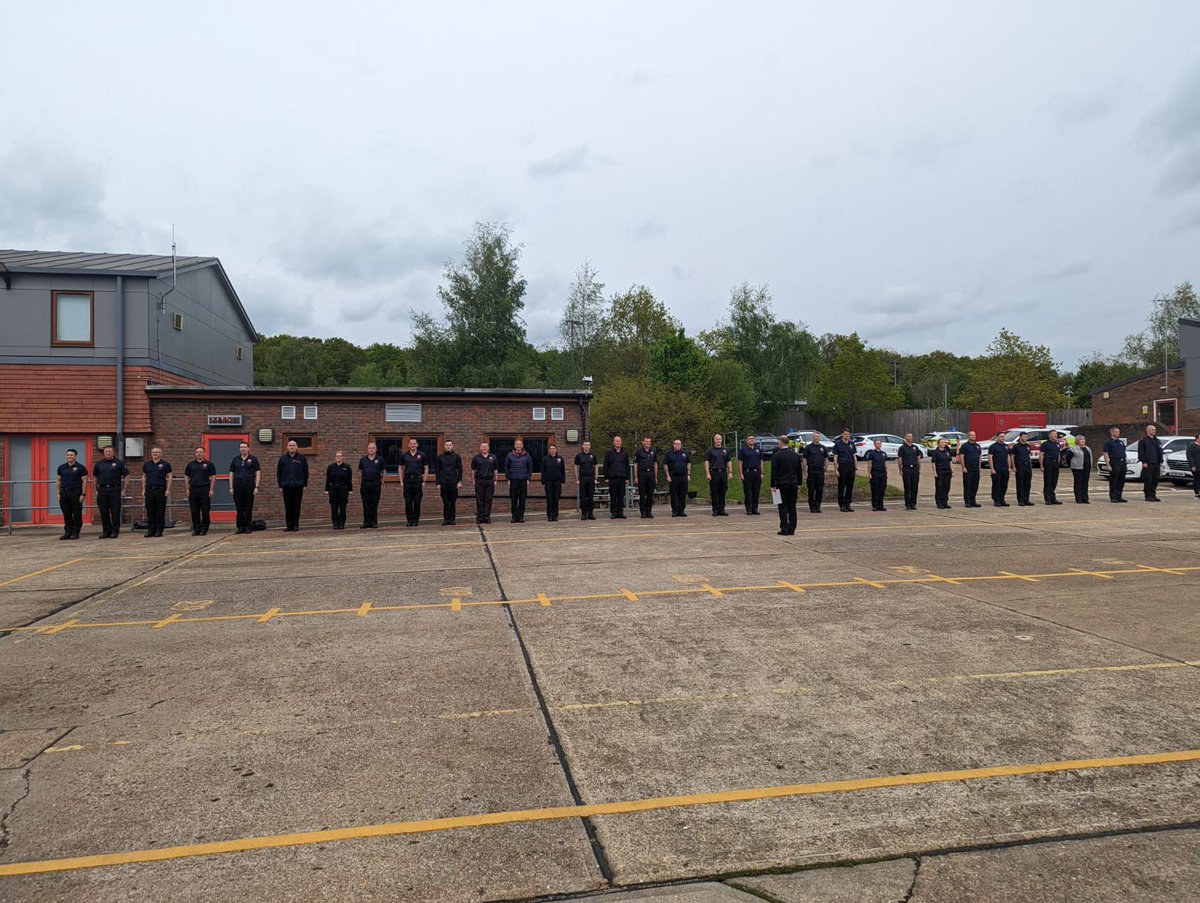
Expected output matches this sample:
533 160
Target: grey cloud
1071 110
1182 174
573 159
652 227
636 78
927 150
680 273
364 253
1178 120
1068 271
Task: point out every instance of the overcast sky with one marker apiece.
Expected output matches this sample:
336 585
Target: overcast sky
921 173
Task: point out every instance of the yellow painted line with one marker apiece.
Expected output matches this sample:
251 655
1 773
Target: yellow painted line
171 619
76 747
793 587
1060 672
708 587
268 615
363 609
1177 572
456 604
53 567
1019 577
593 810
543 600
632 597
865 582
1099 574
61 627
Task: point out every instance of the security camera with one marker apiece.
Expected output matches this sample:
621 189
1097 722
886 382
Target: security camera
588 380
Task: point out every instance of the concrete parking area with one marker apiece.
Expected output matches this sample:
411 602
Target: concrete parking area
929 705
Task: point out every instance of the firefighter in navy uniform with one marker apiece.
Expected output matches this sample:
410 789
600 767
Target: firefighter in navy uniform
749 462
678 465
877 472
786 475
518 470
909 457
970 456
1051 456
847 469
645 461
112 479
449 471
413 465
199 474
1150 453
157 486
616 472
998 458
339 482
291 472
1022 462
245 473
370 485
554 472
814 459
484 466
716 471
942 460
71 482
1115 456
585 482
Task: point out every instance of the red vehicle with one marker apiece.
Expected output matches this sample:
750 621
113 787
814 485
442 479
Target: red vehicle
987 423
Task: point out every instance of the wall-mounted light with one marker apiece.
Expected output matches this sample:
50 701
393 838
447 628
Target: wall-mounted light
266 436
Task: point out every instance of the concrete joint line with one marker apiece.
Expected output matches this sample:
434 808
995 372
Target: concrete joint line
5 830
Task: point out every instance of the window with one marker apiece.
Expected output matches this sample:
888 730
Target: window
539 413
72 317
537 446
177 322
392 449
310 412
237 352
556 413
287 412
402 413
306 442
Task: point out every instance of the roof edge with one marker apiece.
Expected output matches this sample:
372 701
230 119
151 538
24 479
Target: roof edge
1178 365
308 391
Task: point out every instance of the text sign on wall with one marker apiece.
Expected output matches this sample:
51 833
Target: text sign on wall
224 419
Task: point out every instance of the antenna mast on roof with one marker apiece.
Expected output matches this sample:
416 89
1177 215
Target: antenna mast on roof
174 274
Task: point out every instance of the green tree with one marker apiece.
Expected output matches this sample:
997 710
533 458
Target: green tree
636 321
853 383
581 327
1014 375
678 362
632 408
726 383
288 360
1094 371
1159 341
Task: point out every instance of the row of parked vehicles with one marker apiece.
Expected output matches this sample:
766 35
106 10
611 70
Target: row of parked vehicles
1174 447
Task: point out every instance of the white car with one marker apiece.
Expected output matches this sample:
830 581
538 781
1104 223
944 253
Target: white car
864 442
1133 466
1176 468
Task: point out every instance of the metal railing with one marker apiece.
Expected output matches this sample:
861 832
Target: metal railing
132 500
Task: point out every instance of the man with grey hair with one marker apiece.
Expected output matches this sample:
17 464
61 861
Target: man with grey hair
1150 453
157 486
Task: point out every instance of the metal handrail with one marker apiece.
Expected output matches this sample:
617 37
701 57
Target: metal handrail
130 501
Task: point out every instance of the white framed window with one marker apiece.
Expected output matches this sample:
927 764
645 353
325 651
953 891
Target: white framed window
556 413
539 413
402 412
237 352
177 322
287 412
310 412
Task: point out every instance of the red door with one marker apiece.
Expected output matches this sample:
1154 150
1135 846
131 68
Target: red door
221 449
47 453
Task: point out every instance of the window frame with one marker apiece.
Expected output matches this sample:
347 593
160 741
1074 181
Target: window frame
55 342
316 410
284 408
377 438
310 452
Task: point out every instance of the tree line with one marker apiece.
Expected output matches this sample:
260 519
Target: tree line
651 378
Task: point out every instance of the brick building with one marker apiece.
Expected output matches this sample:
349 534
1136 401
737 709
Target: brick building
323 421
1151 397
84 334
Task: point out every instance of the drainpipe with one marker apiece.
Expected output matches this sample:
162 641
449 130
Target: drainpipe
121 366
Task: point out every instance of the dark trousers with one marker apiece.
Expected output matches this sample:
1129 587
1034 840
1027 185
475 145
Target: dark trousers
970 480
200 505
816 488
243 501
616 497
338 495
646 484
718 483
156 509
413 490
1024 484
787 508
1050 481
1080 478
912 479
1150 474
1116 479
845 474
941 488
518 491
878 487
587 498
369 492
292 497
485 491
449 502
751 487
553 496
108 500
999 486
71 504
679 491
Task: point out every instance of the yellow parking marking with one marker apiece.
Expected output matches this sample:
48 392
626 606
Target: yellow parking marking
76 747
592 810
720 696
456 604
198 605
363 609
1099 574
53 567
712 589
625 593
170 619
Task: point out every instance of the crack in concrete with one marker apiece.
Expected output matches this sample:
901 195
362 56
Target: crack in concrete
5 830
913 886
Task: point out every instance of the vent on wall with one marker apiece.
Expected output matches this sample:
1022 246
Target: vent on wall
556 413
539 413
238 352
177 321
287 412
401 412
310 412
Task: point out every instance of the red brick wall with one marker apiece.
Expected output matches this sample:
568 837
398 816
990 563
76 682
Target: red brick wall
348 423
51 398
1124 403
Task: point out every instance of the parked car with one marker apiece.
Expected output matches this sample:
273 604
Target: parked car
1176 470
1133 466
1036 436
767 445
930 440
864 442
804 437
